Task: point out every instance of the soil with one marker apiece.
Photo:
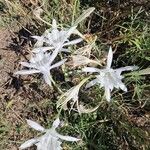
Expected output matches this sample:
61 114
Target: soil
20 97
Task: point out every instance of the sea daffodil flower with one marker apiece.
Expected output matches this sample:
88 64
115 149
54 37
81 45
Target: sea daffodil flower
51 140
41 63
109 78
55 38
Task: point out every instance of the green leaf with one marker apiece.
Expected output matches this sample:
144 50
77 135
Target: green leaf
144 71
140 72
84 15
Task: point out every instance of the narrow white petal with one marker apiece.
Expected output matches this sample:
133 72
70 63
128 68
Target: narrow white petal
127 68
58 64
91 83
43 49
40 40
26 64
55 32
67 138
37 37
54 24
107 94
56 123
25 72
110 57
35 125
64 50
28 143
47 78
123 87
73 42
91 69
54 54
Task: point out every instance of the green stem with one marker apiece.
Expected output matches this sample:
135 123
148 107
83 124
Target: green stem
74 11
55 85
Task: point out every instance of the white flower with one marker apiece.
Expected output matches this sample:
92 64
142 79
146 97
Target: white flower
50 140
55 38
109 78
41 63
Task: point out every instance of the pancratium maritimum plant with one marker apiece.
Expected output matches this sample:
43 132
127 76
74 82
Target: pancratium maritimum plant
51 140
41 63
109 78
54 39
72 96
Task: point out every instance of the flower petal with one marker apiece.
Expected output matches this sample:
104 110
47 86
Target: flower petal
73 42
66 138
28 143
47 77
24 72
110 57
37 37
55 32
123 87
58 64
54 24
40 40
43 49
56 123
64 50
54 54
91 69
107 94
91 83
26 64
127 68
35 125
